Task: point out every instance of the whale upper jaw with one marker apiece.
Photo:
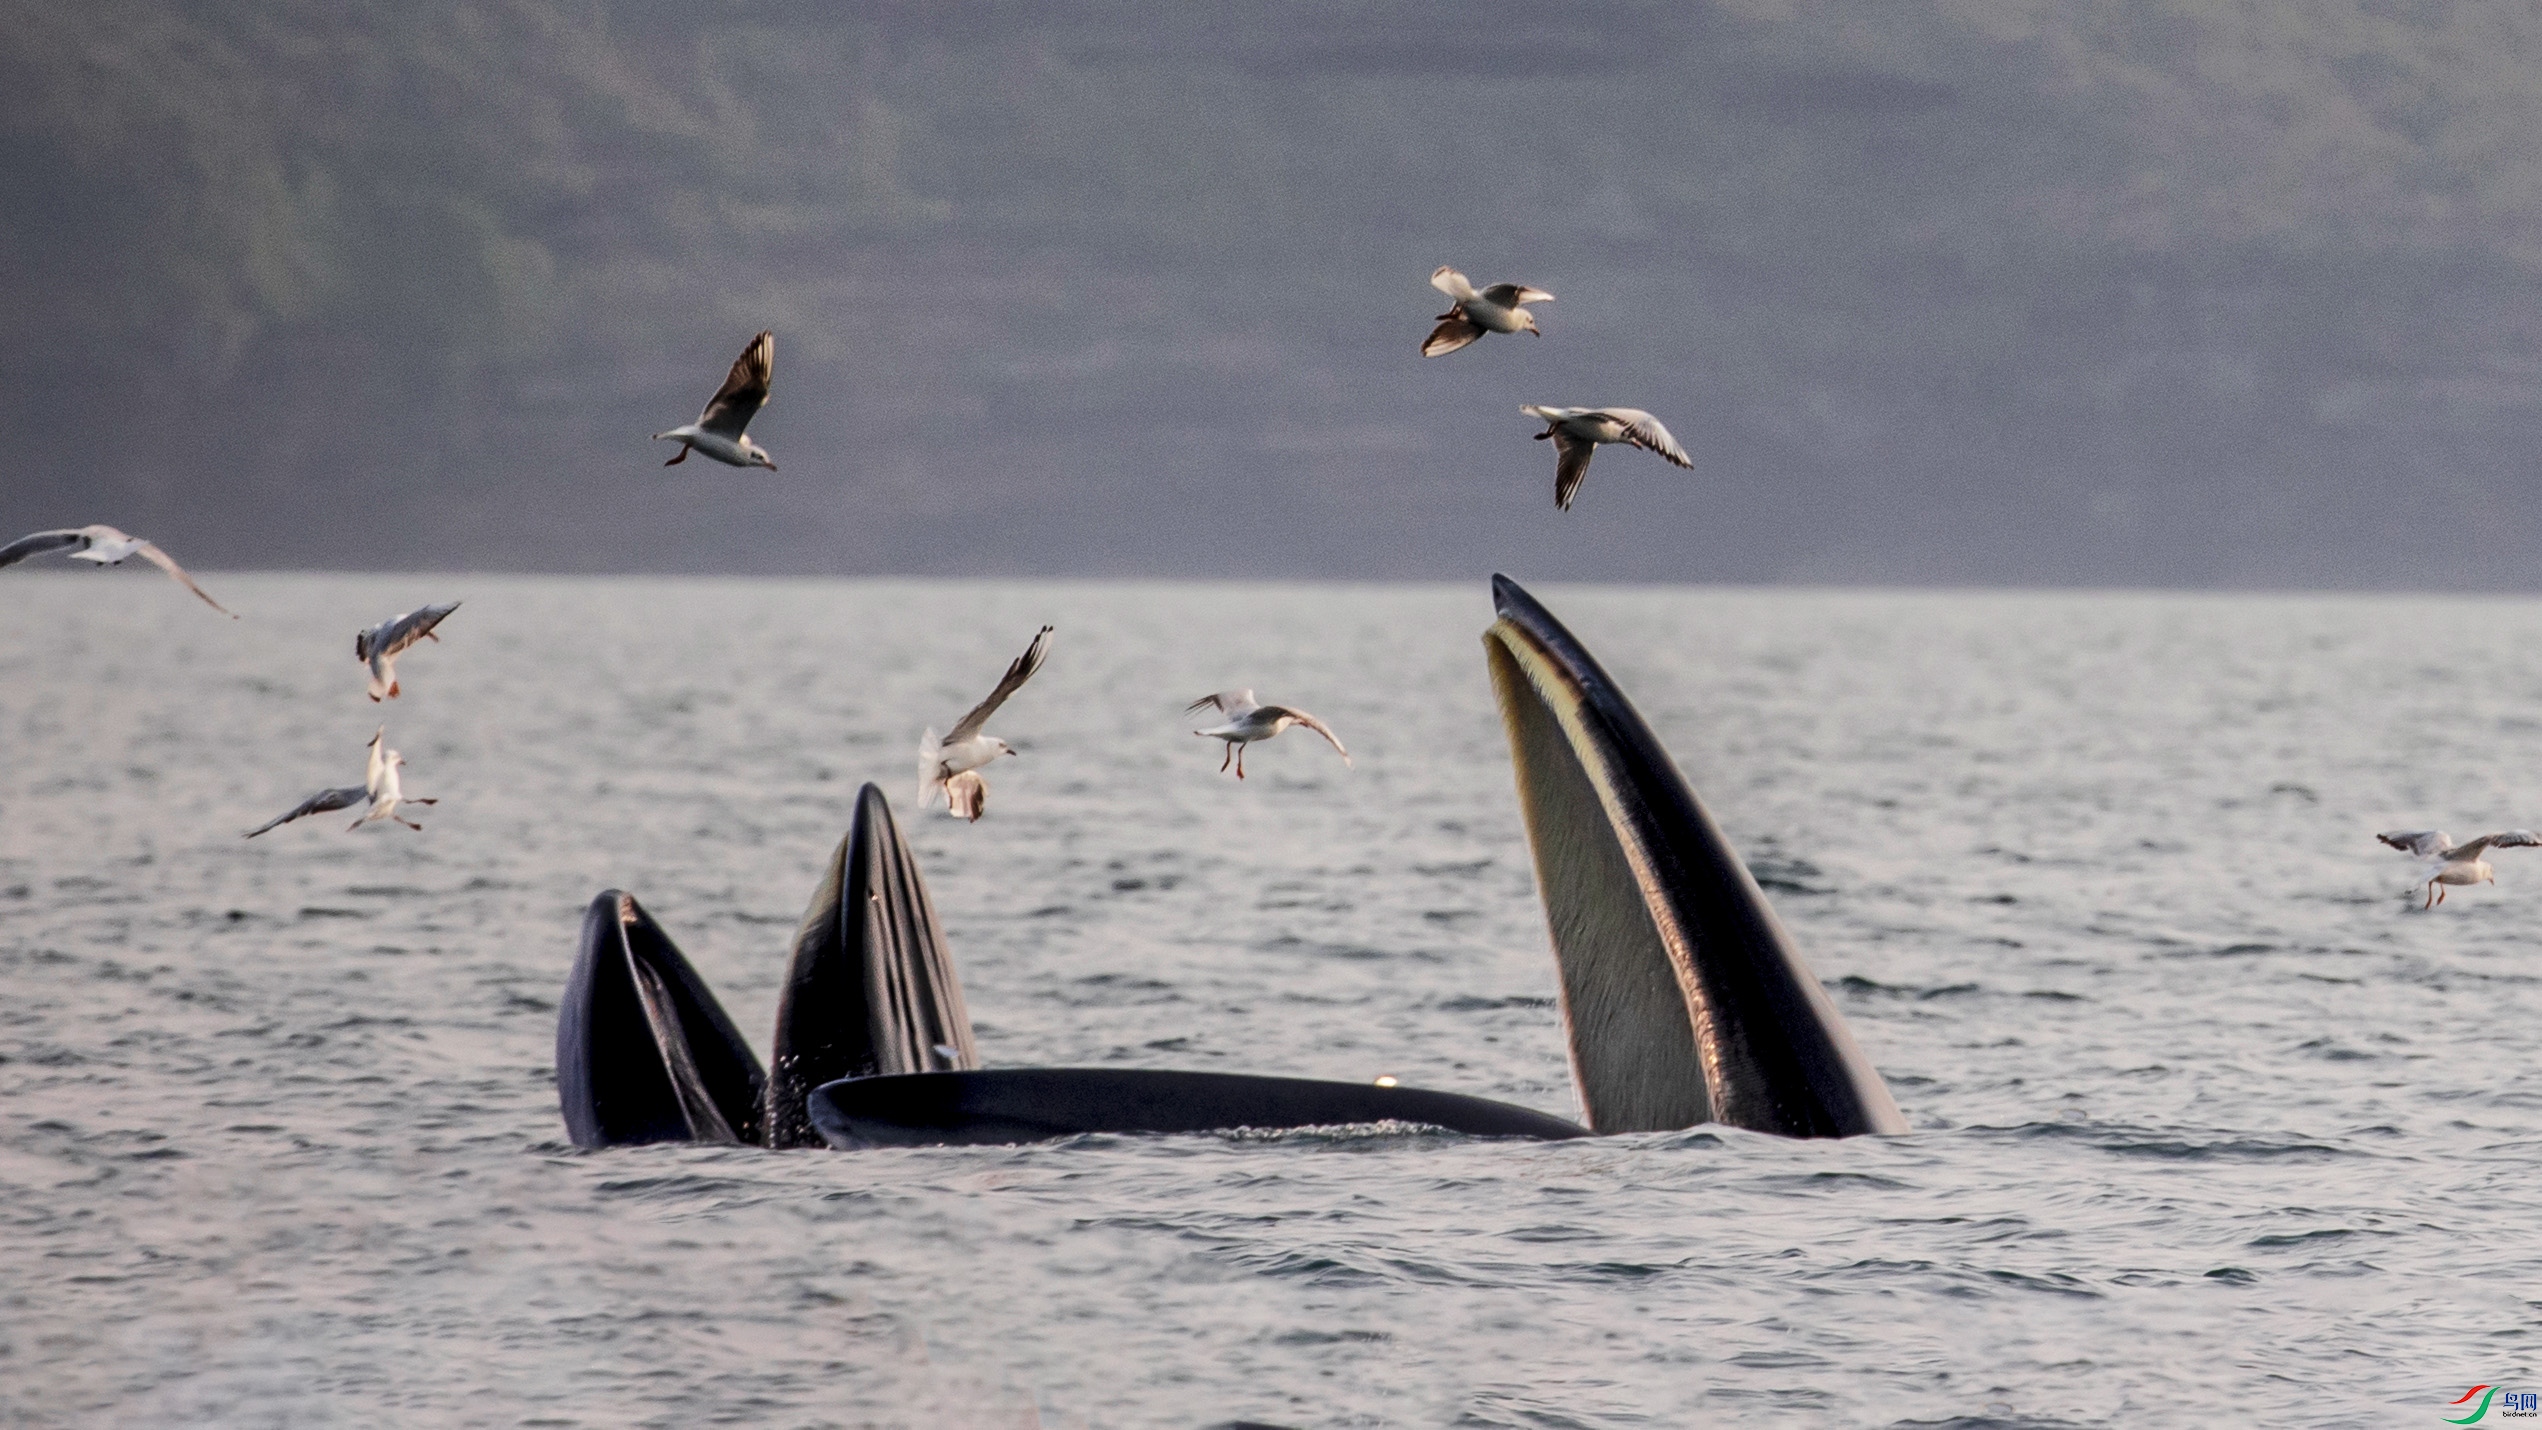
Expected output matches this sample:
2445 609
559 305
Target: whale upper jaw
1684 999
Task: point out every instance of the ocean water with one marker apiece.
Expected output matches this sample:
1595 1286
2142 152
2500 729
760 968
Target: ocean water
2210 1124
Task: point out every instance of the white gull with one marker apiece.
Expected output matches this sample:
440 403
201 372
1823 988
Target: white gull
1497 309
1578 431
1249 720
2446 862
103 546
717 432
965 748
379 646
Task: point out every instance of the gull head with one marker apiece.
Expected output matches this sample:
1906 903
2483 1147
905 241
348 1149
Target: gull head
996 746
757 455
1527 322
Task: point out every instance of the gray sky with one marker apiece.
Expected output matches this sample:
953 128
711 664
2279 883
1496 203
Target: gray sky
1960 291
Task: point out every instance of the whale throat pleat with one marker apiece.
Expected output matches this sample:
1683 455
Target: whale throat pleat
1683 996
1633 1053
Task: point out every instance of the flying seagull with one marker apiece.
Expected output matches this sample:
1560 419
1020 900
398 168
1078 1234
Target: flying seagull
103 546
2449 863
1475 312
383 787
964 749
378 647
1577 431
717 432
1249 720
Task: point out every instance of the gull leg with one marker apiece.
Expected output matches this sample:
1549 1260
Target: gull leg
682 457
410 824
1240 761
1229 754
434 800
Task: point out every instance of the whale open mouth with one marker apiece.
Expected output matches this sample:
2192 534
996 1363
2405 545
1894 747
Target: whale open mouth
1683 998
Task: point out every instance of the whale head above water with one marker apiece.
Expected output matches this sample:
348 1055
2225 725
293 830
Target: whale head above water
1684 999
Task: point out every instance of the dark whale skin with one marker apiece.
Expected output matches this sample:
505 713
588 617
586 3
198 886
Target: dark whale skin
1006 1106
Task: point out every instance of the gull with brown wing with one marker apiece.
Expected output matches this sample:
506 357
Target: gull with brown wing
379 646
2446 862
1249 720
1577 432
1476 311
102 545
965 749
717 432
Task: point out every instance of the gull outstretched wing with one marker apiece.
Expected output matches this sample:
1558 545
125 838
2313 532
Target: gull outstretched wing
318 803
1311 723
745 389
41 542
1016 674
2425 843
152 554
1571 466
399 632
1644 431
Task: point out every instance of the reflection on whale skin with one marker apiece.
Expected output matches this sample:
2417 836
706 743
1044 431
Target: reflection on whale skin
1012 1105
1684 999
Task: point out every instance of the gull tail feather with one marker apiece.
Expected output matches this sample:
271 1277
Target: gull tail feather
930 767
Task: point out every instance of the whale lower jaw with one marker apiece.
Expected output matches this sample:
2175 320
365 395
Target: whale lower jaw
1007 1106
1683 998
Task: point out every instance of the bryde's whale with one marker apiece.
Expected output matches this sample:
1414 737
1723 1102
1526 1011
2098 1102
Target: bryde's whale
1682 996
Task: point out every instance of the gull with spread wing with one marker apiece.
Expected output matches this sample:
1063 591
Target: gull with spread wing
382 780
965 749
717 432
1476 311
2446 862
1249 720
378 647
103 546
1577 432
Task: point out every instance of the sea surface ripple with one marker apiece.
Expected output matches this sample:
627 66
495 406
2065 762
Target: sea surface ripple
2207 1120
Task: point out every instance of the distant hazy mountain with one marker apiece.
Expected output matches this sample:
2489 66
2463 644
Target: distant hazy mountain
1958 291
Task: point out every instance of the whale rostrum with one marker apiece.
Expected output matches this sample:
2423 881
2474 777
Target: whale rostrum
871 991
1683 998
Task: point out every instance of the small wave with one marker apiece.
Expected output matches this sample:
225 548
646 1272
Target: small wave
1829 1181
1468 1003
1856 983
2136 1142
676 1186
